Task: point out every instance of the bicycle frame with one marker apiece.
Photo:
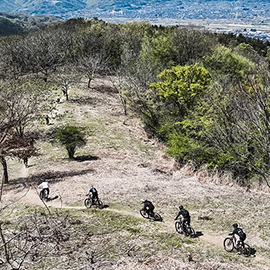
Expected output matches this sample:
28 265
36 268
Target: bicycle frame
234 242
183 224
229 244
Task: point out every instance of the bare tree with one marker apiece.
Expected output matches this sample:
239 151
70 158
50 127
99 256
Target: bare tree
47 50
65 77
21 103
37 238
241 126
40 53
13 59
91 66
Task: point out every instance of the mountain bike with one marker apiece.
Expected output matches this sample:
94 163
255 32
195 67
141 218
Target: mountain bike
155 216
243 248
89 202
183 228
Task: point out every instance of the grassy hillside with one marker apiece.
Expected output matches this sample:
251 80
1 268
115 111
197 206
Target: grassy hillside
125 166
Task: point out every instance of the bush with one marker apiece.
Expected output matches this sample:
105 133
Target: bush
71 137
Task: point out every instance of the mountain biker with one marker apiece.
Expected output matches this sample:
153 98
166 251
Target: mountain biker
94 194
239 235
148 207
185 214
44 186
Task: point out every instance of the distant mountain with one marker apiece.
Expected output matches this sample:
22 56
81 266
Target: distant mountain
8 27
65 6
144 9
207 11
19 23
47 7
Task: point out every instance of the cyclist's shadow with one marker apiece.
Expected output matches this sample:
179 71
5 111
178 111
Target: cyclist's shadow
197 234
52 198
253 252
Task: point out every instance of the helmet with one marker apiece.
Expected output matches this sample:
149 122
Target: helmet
181 207
143 200
235 225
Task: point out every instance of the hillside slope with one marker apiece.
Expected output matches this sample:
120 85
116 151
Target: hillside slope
125 166
19 23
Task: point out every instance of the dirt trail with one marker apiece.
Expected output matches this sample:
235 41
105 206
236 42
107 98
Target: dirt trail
24 172
32 197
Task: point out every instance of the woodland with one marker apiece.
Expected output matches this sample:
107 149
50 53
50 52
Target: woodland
204 95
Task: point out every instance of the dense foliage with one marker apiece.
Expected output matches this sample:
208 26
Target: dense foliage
205 95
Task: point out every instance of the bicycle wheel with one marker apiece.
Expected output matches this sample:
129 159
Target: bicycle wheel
228 244
190 231
88 203
157 217
44 194
100 204
144 214
246 250
178 227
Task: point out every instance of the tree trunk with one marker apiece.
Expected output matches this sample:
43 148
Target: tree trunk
89 82
65 93
1 189
71 152
5 174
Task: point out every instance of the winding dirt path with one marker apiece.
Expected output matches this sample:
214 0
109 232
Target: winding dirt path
31 197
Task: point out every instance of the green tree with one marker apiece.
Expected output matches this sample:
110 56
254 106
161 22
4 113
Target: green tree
222 62
182 86
71 137
247 51
158 50
191 45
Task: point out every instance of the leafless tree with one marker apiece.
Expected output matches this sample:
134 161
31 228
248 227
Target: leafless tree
241 127
39 53
47 50
13 59
21 103
91 66
65 77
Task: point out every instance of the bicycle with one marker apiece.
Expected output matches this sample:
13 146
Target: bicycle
89 202
155 216
183 228
243 248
